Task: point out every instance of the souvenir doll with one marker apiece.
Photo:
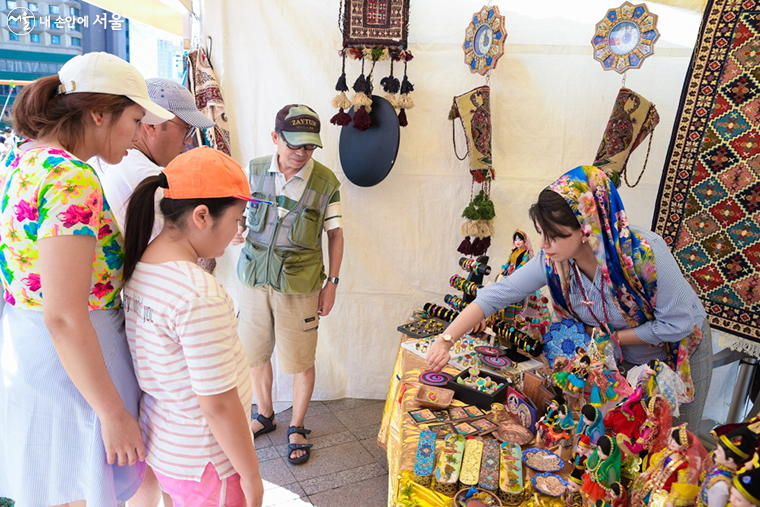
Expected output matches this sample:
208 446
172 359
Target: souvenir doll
672 473
582 450
576 379
641 438
572 495
733 449
617 495
562 428
590 423
550 417
521 253
745 489
602 469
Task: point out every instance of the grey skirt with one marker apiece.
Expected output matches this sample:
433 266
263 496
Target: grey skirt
51 448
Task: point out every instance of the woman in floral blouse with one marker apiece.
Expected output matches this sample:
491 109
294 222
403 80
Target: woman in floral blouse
68 394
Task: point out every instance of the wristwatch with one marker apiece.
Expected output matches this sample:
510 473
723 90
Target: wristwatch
333 279
447 338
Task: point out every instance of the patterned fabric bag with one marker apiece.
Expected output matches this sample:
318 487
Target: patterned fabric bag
633 118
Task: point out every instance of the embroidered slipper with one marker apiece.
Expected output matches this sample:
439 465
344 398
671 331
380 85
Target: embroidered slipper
292 447
266 422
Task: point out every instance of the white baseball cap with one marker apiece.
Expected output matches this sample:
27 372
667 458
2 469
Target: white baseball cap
106 73
176 98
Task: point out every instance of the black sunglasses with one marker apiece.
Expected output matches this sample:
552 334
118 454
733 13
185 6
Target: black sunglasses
307 147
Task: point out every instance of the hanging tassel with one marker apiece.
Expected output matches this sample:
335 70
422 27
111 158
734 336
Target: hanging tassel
486 242
362 102
341 101
391 87
405 101
402 118
465 247
362 120
477 247
341 118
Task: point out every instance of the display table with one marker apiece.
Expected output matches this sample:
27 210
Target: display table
399 435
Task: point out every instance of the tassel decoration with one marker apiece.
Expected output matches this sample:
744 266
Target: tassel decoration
405 101
477 247
341 118
391 87
465 247
341 101
362 102
362 120
402 122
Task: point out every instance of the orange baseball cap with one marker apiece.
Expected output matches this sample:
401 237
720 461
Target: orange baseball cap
205 173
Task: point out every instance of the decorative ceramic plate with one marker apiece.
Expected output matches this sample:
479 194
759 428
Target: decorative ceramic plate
512 432
625 37
542 460
484 40
563 338
549 484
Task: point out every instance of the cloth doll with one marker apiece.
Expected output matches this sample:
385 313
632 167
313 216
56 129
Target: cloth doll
590 423
745 489
550 417
575 380
582 450
617 495
562 428
673 473
733 450
647 432
572 495
602 469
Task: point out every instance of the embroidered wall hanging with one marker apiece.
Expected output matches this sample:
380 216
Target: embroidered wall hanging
709 203
633 118
373 30
474 112
624 37
484 40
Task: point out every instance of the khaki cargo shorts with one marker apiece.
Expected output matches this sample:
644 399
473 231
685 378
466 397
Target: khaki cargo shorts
268 317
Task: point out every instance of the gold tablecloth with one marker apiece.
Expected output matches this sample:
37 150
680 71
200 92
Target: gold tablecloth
399 436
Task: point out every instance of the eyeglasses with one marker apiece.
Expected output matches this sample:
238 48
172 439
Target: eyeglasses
189 131
307 147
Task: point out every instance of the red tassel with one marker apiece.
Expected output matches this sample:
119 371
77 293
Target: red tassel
465 247
477 247
486 244
402 118
362 120
341 118
477 175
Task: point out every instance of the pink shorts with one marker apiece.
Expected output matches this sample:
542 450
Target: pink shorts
211 491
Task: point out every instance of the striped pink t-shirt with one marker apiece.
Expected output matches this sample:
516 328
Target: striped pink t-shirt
182 334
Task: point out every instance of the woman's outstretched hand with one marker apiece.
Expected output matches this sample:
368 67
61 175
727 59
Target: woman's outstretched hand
438 354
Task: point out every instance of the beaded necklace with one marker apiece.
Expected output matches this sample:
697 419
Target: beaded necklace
586 301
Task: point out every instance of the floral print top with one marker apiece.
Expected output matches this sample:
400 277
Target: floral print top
49 192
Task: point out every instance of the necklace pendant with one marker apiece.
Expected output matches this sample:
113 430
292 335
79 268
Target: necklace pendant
587 303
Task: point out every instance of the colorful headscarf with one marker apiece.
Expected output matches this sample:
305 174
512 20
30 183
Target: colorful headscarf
624 257
593 430
610 464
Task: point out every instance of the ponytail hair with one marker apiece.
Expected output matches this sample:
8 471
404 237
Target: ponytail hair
138 225
40 111
141 215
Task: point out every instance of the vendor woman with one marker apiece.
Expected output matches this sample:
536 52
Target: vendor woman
601 270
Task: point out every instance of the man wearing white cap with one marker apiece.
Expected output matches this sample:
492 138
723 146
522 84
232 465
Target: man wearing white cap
156 146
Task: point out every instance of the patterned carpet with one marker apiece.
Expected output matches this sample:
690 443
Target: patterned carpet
709 203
